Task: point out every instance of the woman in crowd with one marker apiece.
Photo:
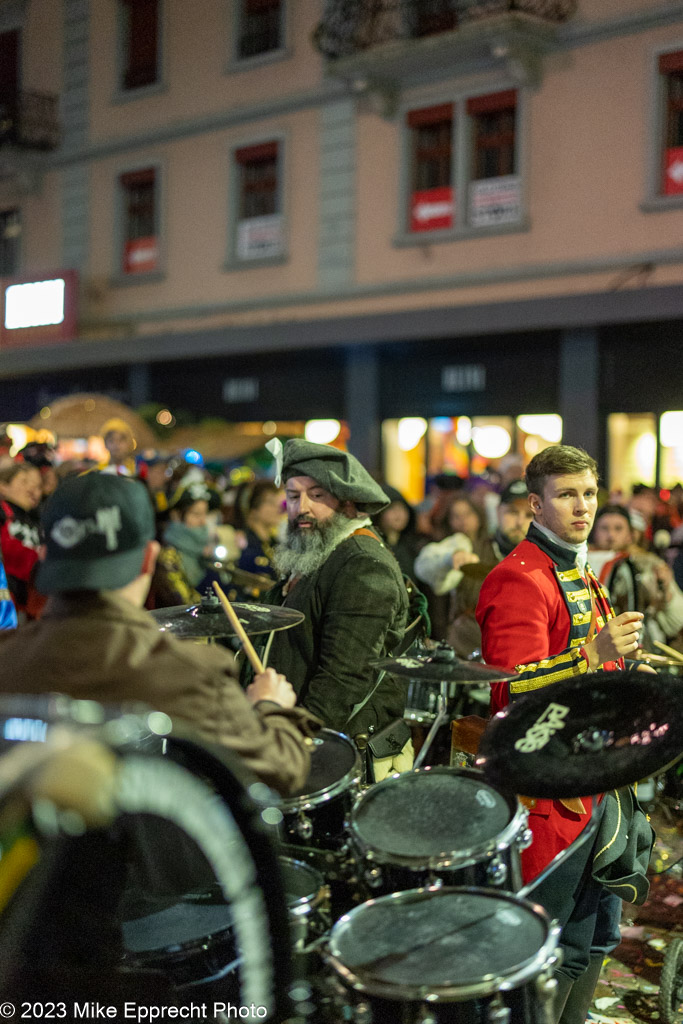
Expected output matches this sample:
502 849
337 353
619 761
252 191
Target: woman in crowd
397 524
20 535
183 570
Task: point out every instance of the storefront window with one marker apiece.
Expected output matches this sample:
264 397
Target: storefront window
671 449
632 451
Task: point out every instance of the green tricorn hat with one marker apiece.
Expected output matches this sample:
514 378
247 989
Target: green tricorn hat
338 472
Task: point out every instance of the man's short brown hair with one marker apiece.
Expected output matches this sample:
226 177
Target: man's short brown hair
556 460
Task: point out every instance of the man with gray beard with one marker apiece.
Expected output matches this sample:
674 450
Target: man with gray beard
339 573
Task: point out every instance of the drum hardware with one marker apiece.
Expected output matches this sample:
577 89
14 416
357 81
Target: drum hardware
207 619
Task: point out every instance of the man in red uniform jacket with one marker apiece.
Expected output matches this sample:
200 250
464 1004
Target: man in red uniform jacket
543 613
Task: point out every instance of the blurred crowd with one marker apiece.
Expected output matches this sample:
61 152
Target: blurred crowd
211 529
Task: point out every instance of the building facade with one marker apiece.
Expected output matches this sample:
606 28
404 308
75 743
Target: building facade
294 209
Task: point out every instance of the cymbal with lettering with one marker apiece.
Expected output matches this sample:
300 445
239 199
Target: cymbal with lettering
439 670
585 735
208 620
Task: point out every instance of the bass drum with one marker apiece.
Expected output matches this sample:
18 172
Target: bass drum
447 956
438 824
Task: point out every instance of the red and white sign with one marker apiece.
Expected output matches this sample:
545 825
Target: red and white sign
673 171
141 255
495 201
432 208
260 237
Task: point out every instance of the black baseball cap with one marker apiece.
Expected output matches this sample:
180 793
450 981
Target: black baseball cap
515 491
96 529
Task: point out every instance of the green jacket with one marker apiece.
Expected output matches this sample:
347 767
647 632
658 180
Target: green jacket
356 608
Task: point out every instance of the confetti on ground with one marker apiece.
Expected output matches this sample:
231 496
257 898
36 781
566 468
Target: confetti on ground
672 900
633 932
657 943
606 1001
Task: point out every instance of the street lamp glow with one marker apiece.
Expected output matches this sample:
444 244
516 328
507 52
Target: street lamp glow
411 430
548 427
671 429
322 431
491 442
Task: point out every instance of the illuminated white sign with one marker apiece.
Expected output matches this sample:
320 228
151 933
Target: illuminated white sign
37 304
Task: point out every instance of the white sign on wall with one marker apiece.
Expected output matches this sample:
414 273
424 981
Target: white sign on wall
495 201
463 378
260 237
240 389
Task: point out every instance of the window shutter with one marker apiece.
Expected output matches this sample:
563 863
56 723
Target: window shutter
492 103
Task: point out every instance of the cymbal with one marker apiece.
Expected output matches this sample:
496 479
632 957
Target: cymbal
208 619
585 735
436 670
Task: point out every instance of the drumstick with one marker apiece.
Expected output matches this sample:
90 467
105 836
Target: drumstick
251 654
669 650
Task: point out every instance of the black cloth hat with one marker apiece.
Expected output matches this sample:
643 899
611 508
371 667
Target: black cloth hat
338 472
515 490
96 529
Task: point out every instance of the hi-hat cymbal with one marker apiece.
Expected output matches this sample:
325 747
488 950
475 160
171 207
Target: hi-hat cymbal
208 620
585 735
437 670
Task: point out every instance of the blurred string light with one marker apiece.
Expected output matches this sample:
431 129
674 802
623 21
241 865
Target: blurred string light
463 431
18 434
322 431
165 418
269 427
491 442
194 457
411 430
442 424
671 429
548 427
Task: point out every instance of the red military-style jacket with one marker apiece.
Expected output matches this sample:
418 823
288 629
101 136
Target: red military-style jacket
535 611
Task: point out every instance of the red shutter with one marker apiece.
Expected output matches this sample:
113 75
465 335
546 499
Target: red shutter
430 115
671 62
132 179
252 154
492 103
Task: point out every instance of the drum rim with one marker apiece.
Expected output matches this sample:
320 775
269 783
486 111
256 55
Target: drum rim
308 904
500 843
531 968
307 801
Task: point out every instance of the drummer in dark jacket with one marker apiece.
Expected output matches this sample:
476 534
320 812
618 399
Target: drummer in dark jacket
339 573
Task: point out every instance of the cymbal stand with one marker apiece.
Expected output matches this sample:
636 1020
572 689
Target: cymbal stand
442 716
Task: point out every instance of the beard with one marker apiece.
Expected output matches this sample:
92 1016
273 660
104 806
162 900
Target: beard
304 551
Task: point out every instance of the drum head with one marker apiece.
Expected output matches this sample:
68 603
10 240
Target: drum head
334 757
301 881
449 943
185 924
431 813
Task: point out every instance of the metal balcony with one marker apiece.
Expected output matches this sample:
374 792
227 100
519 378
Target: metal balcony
352 26
29 120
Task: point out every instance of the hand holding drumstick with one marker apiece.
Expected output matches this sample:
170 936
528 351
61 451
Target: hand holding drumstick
268 684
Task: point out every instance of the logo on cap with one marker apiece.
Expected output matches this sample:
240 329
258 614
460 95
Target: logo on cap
68 532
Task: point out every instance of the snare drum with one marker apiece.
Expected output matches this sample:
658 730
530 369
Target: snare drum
315 816
438 824
447 956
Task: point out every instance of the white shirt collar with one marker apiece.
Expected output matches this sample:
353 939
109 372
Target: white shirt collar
580 550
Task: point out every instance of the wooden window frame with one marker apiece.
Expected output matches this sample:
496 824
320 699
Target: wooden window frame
502 142
127 181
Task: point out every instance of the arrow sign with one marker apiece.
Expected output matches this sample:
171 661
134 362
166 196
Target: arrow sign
673 174
431 209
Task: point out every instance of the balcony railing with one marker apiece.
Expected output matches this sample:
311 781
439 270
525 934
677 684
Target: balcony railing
30 120
351 26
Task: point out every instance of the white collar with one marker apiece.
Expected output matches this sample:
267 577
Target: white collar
580 550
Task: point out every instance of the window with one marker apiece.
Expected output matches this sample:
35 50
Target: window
260 27
671 70
140 221
433 16
259 213
140 43
10 238
483 131
432 198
